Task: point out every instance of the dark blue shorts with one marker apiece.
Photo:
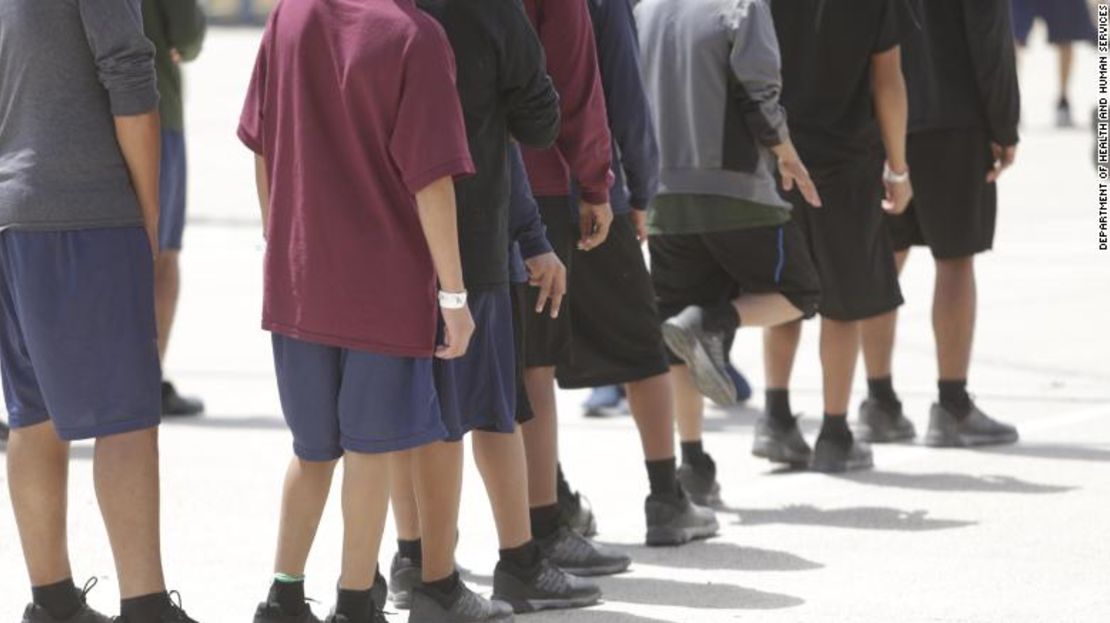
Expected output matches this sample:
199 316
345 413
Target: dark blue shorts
172 182
78 345
478 391
338 399
1067 20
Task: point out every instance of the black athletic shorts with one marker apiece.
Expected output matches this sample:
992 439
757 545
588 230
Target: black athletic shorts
519 300
954 208
608 332
850 244
707 269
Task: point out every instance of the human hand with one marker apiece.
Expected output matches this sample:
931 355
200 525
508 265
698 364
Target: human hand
548 273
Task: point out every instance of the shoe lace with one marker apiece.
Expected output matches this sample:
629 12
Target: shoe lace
89 585
178 608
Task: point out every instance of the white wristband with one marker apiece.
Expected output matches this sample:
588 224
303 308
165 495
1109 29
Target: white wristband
890 177
452 300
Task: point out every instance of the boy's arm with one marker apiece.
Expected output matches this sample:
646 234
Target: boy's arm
436 207
532 102
888 89
186 25
545 270
262 185
140 142
989 25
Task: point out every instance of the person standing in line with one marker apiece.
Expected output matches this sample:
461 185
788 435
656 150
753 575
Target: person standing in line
1069 22
79 143
177 28
355 121
963 134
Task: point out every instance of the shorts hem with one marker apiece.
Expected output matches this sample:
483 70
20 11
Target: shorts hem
97 431
590 381
365 446
862 314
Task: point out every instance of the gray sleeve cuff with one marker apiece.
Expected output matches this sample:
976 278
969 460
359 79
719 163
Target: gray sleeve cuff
133 101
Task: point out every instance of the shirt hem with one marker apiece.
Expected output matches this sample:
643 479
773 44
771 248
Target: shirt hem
71 225
339 341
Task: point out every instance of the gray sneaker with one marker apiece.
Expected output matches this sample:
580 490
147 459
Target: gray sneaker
703 489
977 429
576 554
551 589
779 443
404 575
882 423
832 457
35 614
468 607
703 352
675 520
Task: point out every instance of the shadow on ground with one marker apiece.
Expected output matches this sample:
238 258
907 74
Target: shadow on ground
592 615
1065 451
964 483
248 422
710 555
860 518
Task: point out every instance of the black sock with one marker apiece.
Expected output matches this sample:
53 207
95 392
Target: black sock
145 609
778 408
562 485
721 318
413 550
61 599
522 561
444 591
835 428
662 477
694 455
954 397
289 596
355 605
882 390
545 520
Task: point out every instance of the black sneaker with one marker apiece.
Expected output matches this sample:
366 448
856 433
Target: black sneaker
675 520
977 429
833 456
270 612
176 405
404 576
36 614
550 589
576 513
1063 115
780 443
377 616
704 354
702 487
880 422
576 554
173 614
467 607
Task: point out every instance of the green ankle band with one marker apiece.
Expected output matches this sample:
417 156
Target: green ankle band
285 578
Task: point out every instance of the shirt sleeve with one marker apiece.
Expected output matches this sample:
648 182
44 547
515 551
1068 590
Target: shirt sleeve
186 26
757 66
630 118
124 56
584 141
891 31
989 25
251 119
532 104
429 135
525 225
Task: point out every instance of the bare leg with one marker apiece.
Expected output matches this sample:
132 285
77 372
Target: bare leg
125 471
839 352
541 437
689 405
437 479
365 504
1066 56
878 334
406 515
38 471
307 484
954 303
765 310
501 460
167 286
780 347
652 404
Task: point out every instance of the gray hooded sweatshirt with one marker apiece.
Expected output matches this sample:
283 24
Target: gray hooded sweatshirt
711 69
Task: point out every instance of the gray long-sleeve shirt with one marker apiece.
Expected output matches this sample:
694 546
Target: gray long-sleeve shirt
66 68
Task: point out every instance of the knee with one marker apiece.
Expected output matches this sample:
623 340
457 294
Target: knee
956 269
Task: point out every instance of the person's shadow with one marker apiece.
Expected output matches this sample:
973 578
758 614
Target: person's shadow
1055 451
858 518
710 555
964 483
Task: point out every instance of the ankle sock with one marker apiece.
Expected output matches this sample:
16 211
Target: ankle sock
61 599
522 561
355 605
954 397
287 592
778 408
545 520
721 318
835 428
561 484
662 476
412 550
144 609
443 591
694 455
882 390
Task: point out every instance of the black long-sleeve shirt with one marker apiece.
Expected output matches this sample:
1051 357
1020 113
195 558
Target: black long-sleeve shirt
505 91
960 68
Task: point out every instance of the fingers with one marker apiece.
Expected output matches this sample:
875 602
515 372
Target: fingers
558 291
787 181
545 286
809 191
597 236
586 227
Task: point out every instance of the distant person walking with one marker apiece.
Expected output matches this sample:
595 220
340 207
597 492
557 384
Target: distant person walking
1068 22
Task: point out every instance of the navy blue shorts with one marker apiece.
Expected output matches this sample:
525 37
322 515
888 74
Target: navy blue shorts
338 399
78 345
1067 20
171 187
478 391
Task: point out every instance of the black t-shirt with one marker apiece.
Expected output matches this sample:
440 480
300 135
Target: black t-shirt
505 93
827 47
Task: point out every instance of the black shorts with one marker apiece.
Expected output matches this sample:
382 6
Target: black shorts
850 244
707 269
954 209
519 300
608 332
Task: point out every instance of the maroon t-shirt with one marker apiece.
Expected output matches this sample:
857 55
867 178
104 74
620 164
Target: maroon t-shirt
353 106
